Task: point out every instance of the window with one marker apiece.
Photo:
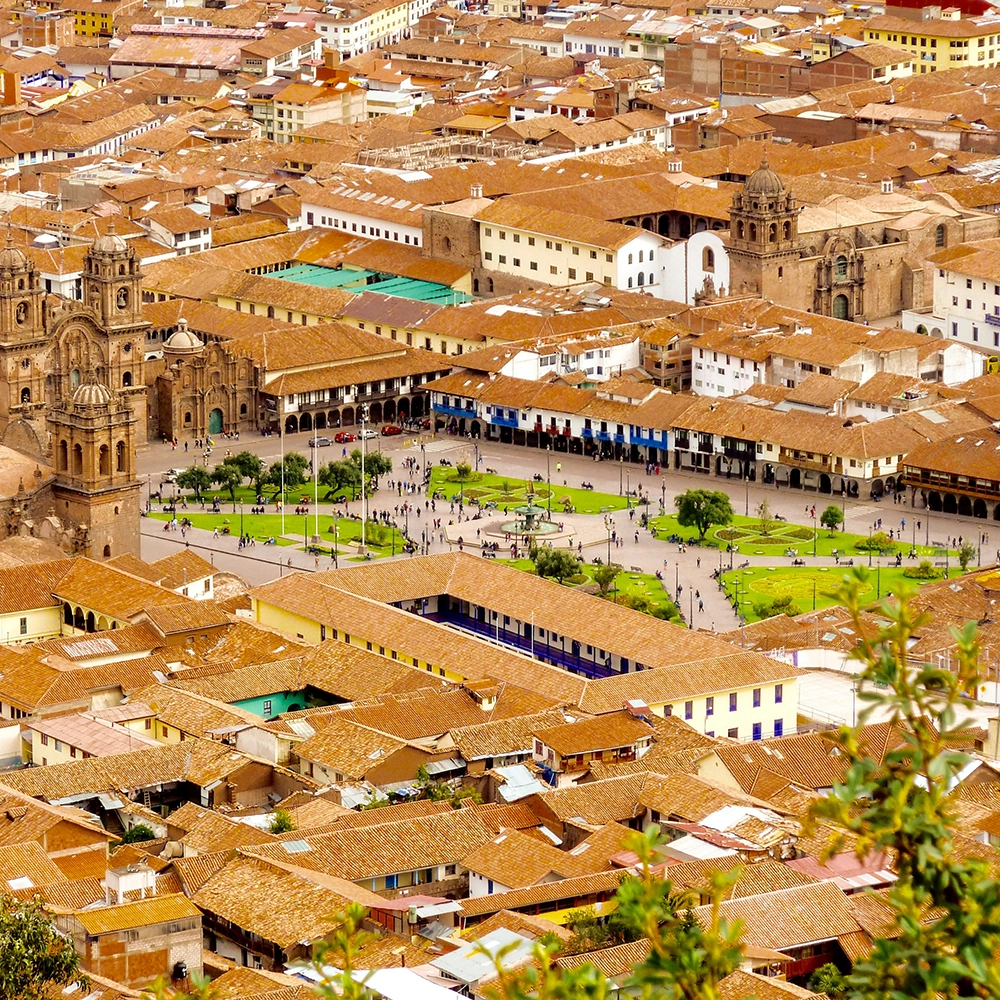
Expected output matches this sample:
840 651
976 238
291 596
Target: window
45 740
266 709
840 268
758 730
710 706
779 692
732 701
756 697
939 236
553 269
779 727
24 626
688 709
533 265
571 273
734 733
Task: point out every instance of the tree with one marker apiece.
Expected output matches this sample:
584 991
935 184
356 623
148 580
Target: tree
702 509
831 518
294 476
765 518
341 950
282 822
227 475
463 472
35 957
556 563
828 979
138 833
252 468
377 464
947 905
339 477
605 576
966 553
196 479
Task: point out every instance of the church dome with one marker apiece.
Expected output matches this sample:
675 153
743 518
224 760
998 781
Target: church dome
11 258
182 340
92 394
764 182
110 242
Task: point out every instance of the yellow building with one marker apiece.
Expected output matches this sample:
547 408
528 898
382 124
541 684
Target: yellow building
945 43
96 18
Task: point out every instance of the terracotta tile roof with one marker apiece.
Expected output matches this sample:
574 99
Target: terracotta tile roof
245 892
351 749
516 860
182 567
503 736
686 797
821 390
574 888
109 591
525 924
615 962
787 918
198 761
20 591
212 832
742 985
596 803
142 913
605 732
387 849
194 714
23 866
194 872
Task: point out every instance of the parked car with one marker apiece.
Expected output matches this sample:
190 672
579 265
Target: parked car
344 437
170 476
368 434
390 429
320 442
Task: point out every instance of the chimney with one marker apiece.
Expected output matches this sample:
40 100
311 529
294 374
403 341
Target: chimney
476 191
887 185
674 166
991 747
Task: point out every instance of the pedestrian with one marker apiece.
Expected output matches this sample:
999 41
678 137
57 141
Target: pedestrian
185 447
701 607
698 562
215 534
637 538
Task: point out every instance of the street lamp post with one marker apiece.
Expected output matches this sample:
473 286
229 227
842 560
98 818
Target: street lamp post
663 496
305 531
363 412
621 476
870 527
241 519
878 580
607 528
548 476
628 489
815 535
746 485
336 516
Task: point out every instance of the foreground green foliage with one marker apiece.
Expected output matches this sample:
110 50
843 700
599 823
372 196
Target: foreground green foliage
34 957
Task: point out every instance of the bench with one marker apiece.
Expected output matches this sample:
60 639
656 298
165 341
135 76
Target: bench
636 569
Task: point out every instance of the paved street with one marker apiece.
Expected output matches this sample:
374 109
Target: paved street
691 569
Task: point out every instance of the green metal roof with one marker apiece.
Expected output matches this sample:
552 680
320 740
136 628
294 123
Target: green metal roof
374 281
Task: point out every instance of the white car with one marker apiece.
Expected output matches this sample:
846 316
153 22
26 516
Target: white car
170 476
367 434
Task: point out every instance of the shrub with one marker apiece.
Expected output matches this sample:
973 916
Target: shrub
879 542
138 833
925 571
804 534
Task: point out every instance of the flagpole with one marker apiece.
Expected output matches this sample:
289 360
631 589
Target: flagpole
281 417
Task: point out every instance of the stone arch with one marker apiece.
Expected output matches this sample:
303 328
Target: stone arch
347 416
375 413
104 461
825 485
291 425
389 410
126 380
965 506
333 418
68 611
647 224
305 422
25 395
403 409
996 512
79 619
979 508
91 622
786 230
685 227
753 232
62 463
708 259
795 479
102 623
319 421
740 230
121 457
772 233
77 460
950 504
701 226
841 307
663 225
417 407
935 502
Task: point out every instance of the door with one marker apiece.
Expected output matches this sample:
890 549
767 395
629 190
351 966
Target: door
215 421
840 307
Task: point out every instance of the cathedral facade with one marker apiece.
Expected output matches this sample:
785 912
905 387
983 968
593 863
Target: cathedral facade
73 392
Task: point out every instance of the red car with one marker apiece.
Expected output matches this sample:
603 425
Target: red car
391 429
344 437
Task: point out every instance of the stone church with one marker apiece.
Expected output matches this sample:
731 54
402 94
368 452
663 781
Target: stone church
73 401
858 259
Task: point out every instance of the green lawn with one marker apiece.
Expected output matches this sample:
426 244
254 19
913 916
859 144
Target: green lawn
644 588
297 528
247 494
746 534
764 583
507 491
